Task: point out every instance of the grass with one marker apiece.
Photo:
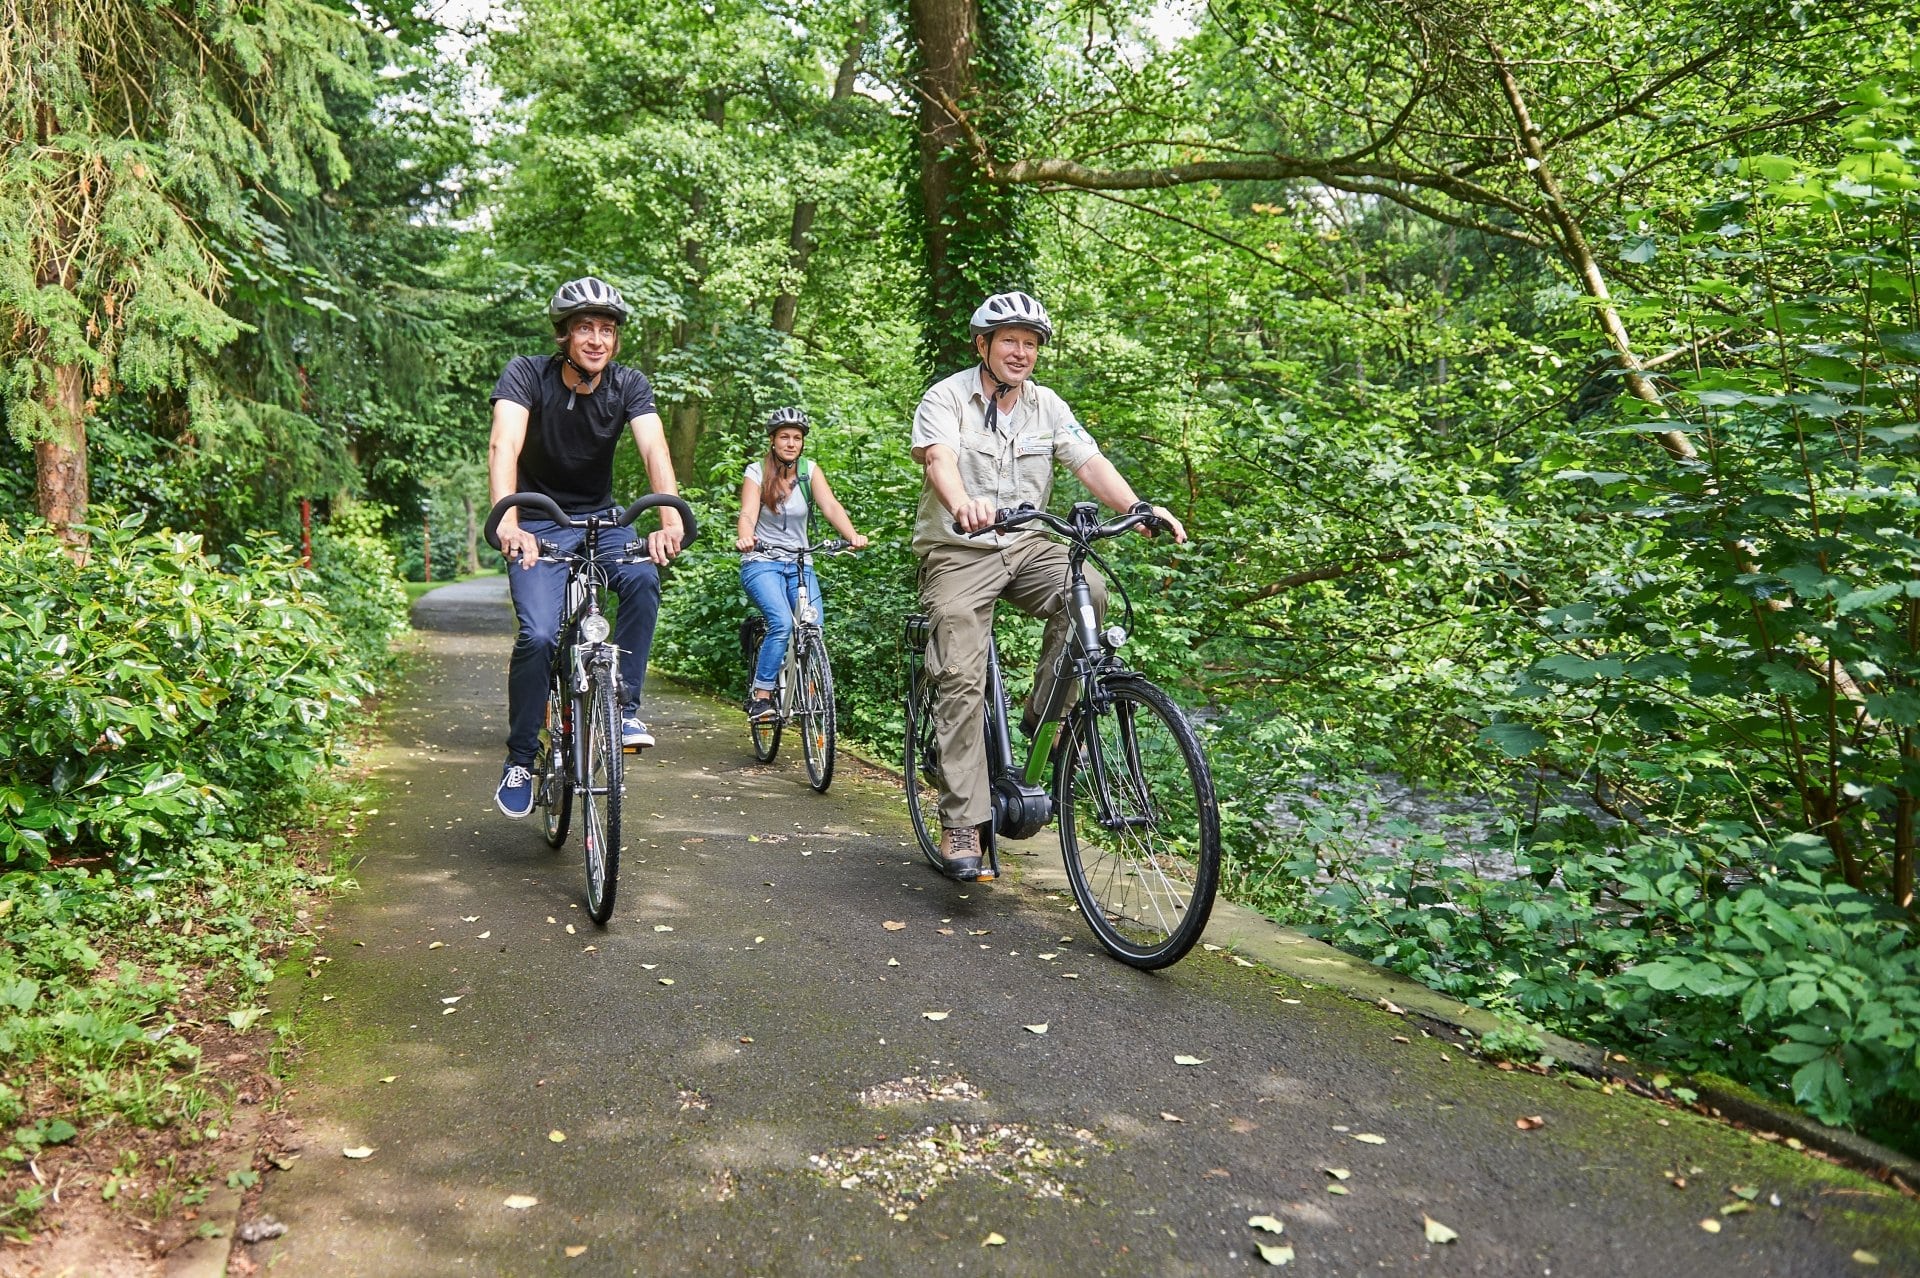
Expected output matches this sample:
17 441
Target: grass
125 990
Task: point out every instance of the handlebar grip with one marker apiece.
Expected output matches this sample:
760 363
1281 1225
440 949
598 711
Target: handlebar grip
539 503
651 500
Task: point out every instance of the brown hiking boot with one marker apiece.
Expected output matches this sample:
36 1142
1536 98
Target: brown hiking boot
960 853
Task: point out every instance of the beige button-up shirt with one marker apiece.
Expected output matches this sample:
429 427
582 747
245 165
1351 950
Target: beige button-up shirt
1008 464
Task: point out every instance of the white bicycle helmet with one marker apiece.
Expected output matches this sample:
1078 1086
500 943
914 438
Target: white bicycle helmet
789 417
588 295
1003 310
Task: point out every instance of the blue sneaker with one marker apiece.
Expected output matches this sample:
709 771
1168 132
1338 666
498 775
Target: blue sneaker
515 795
634 732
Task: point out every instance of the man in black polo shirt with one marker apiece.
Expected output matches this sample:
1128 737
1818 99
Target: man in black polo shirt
557 420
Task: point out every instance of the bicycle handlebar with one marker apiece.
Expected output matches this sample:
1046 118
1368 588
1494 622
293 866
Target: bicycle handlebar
544 506
831 546
1008 518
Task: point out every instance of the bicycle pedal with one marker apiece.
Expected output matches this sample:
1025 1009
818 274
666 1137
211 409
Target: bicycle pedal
631 749
985 875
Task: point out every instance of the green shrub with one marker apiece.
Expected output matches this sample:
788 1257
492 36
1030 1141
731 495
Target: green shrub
1717 952
156 696
355 571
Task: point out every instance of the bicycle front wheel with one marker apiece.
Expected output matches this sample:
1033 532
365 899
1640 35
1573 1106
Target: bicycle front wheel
599 742
1139 827
553 768
815 706
922 763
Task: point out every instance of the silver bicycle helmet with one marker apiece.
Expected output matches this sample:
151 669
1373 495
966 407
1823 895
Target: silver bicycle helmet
789 417
1006 309
588 295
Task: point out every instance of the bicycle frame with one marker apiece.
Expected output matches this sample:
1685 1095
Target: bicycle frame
806 621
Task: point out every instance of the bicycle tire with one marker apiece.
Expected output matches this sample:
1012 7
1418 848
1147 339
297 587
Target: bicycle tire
1139 823
600 800
553 769
921 766
816 717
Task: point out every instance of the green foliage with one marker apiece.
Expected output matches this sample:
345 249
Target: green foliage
355 572
157 696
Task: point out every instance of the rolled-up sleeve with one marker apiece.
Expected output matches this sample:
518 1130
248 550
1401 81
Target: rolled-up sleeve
937 419
1072 446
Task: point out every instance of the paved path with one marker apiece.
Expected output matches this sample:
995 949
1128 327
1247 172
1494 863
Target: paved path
747 1079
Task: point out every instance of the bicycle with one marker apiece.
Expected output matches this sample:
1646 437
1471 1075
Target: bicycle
803 690
1130 786
583 687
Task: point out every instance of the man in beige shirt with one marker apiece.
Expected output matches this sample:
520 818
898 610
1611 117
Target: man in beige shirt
987 438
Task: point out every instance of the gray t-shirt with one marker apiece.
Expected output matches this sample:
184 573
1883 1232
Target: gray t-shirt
785 528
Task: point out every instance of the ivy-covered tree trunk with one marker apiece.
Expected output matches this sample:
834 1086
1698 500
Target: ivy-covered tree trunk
60 457
786 304
969 61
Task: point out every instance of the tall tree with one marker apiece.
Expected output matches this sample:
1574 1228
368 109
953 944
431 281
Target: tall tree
971 74
140 140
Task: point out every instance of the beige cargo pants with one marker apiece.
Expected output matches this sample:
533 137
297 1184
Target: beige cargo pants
959 586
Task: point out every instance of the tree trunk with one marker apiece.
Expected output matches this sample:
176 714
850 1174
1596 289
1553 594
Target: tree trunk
800 245
60 460
973 239
473 535
683 438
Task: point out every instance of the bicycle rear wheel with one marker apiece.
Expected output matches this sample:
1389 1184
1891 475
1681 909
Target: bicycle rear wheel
600 802
765 733
922 763
814 703
1139 826
553 768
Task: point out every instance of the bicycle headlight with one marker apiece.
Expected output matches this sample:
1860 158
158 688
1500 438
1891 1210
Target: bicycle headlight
1114 636
594 628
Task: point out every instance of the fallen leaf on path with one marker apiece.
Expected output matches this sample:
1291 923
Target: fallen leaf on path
1748 1192
936 1016
1865 1257
894 925
326 998
1049 957
1289 1000
1338 1189
1242 962
1338 1173
1189 1060
1735 1208
1529 1123
552 919
746 1038
649 966
979 931
1368 1138
454 999
520 1202
484 935
1241 1126
358 1151
893 962
1437 1232
993 1240
1401 1038
661 927
1276 1253
448 1011
284 1162
1069 976
666 980
1391 1006
557 1136
1041 1028
1166 1117
1268 1223
389 1078
576 1251
944 931
438 945
569 929
1711 1225
589 949
759 940
469 918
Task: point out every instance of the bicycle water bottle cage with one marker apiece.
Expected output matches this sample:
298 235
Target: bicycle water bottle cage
1020 811
917 630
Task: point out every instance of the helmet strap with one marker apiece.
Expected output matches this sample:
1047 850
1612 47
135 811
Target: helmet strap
999 388
588 381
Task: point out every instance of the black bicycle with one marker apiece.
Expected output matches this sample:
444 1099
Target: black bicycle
580 747
803 690
1129 783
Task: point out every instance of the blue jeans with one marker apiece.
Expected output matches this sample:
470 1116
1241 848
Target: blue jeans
540 596
774 587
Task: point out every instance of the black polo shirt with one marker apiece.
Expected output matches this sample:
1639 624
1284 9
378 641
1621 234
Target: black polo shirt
568 453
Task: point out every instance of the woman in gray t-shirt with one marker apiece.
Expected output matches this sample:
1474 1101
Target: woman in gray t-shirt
773 517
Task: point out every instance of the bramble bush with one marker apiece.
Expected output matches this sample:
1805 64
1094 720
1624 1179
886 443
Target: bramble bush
158 695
